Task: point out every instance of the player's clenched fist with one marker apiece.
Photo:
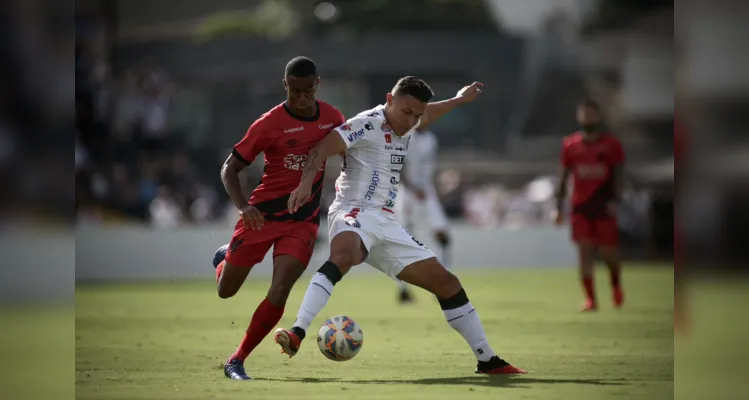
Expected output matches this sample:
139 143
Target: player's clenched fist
251 217
469 93
298 197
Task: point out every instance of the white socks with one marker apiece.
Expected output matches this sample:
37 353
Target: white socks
465 320
315 299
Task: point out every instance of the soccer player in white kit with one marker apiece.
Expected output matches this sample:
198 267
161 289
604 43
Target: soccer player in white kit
417 204
362 223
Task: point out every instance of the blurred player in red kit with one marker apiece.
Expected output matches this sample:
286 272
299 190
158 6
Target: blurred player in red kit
594 158
285 134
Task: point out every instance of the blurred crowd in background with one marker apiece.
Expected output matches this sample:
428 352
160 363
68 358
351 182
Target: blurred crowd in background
159 106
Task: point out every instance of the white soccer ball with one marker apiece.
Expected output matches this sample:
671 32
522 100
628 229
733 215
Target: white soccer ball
340 338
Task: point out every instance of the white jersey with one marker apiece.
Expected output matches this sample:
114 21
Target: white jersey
422 160
372 163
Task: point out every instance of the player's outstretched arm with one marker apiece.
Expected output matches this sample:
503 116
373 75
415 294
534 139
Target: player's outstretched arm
331 145
438 109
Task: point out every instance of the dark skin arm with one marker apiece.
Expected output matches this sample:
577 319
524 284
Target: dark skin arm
331 145
561 194
251 217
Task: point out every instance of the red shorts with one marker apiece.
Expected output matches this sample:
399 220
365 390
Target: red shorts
600 232
248 247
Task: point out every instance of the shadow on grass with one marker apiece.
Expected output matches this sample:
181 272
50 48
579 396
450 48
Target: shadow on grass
490 381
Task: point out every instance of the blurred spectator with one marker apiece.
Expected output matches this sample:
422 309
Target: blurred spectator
164 211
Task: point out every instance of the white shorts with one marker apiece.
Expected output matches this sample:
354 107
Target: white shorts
391 248
425 214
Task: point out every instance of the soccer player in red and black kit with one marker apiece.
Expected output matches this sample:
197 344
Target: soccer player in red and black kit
594 158
286 134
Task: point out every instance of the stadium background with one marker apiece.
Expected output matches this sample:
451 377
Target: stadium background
163 92
165 88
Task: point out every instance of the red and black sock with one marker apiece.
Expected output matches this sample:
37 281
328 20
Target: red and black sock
264 319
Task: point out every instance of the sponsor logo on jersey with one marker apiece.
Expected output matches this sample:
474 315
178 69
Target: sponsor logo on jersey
389 203
346 127
326 126
386 128
388 138
397 159
592 171
394 180
368 126
388 147
392 195
400 149
355 135
297 162
292 130
372 185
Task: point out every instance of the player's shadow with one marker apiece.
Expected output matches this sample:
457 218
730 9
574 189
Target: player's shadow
489 381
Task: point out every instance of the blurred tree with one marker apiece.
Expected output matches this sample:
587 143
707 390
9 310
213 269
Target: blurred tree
283 18
618 14
274 19
360 16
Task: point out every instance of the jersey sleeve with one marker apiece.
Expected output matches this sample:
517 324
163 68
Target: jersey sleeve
356 131
339 118
254 142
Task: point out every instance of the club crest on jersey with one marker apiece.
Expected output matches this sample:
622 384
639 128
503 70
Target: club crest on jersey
388 138
386 128
351 221
353 136
346 127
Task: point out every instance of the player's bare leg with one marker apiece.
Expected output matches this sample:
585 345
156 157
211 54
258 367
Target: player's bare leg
404 293
229 278
430 275
444 255
586 259
346 251
610 255
286 271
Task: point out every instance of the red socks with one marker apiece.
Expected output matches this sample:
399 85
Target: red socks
263 321
588 285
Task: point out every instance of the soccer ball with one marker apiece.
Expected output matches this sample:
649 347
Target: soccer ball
340 338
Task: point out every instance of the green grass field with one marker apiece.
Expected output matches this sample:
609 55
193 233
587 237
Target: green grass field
168 341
